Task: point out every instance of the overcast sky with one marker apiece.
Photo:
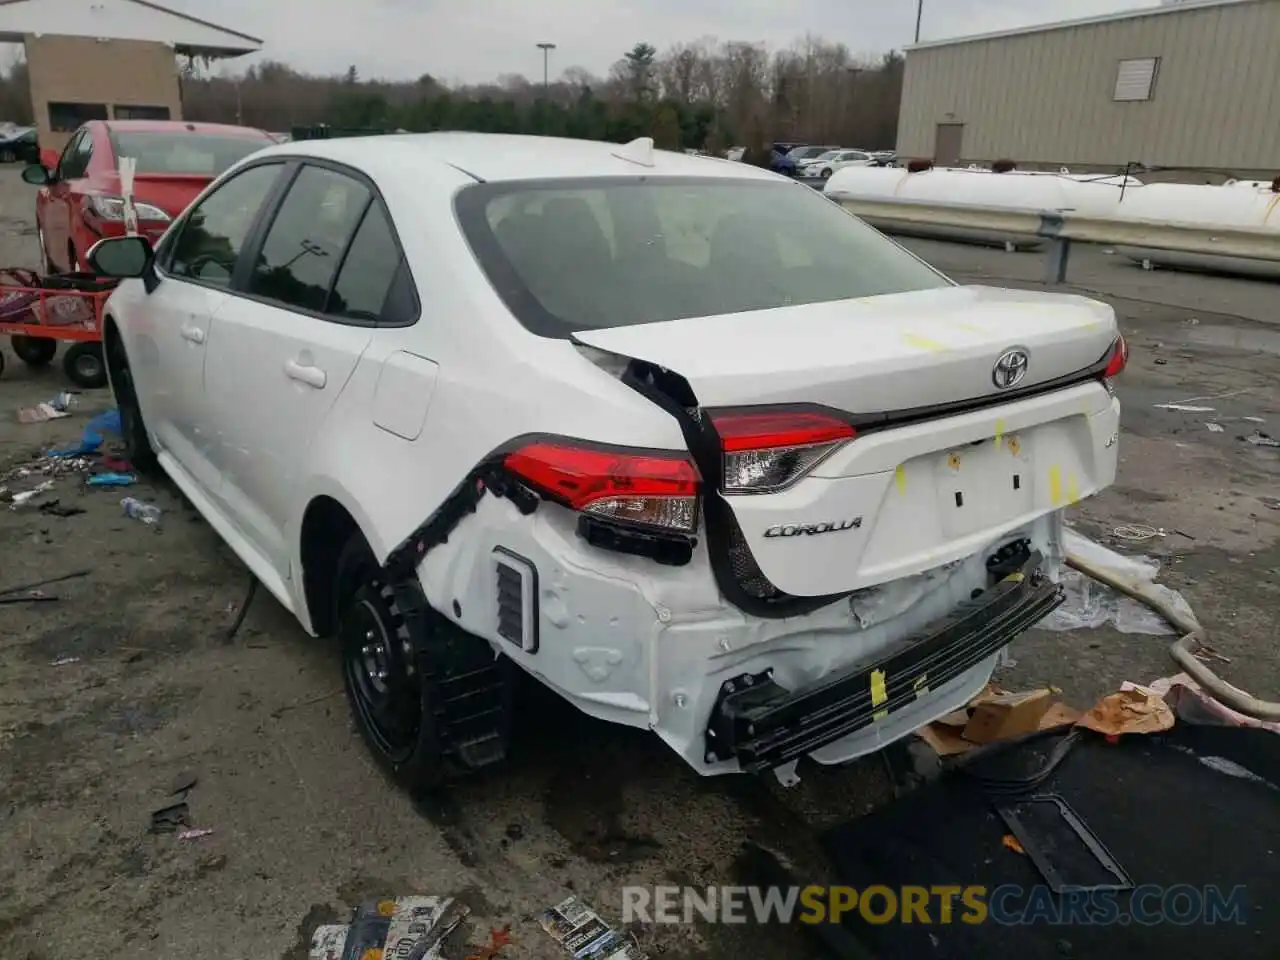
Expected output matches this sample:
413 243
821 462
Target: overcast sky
475 40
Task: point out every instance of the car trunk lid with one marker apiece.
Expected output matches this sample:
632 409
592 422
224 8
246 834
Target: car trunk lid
946 458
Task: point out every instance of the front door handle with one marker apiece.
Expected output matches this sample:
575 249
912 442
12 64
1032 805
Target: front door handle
194 334
311 376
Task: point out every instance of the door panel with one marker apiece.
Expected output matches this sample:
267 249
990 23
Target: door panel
948 144
284 350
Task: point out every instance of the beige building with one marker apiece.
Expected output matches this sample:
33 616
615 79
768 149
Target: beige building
108 59
1192 84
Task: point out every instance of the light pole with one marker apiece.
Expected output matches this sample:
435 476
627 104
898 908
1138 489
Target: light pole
919 14
546 49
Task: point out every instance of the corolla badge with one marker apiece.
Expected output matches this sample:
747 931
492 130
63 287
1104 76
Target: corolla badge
1010 368
812 529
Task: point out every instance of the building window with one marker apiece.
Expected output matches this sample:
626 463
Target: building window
65 117
131 112
1136 79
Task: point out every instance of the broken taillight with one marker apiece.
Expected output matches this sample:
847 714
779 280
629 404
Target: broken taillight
1117 358
657 490
768 450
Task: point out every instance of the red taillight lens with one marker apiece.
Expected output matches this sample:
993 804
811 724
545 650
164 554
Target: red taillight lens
766 451
655 490
1118 359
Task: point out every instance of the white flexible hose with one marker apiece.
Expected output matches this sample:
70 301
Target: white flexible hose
1182 650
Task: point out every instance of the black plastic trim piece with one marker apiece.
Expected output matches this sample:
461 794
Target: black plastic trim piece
660 546
763 725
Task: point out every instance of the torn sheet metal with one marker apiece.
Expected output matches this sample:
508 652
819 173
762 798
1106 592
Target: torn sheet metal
583 934
399 928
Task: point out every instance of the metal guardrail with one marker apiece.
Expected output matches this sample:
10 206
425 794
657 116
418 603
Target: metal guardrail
1060 229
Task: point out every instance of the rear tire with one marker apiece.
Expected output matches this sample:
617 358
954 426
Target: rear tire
132 428
34 351
826 173
85 365
382 675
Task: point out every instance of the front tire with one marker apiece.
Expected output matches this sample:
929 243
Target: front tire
826 173
132 428
381 670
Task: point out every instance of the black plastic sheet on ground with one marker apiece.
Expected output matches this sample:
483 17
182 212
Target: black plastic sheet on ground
1191 809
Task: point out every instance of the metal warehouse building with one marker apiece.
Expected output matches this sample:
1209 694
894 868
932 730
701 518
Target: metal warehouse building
1191 84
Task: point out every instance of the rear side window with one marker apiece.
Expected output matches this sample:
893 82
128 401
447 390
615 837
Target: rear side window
575 255
214 232
304 245
360 292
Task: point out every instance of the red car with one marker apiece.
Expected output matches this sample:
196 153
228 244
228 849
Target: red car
79 201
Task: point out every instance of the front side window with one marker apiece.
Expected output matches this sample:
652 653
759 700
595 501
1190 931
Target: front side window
214 232
304 246
579 255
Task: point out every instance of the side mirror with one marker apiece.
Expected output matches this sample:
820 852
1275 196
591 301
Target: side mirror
36 174
121 257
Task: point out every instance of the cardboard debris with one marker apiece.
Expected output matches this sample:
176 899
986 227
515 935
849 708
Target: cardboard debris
1138 710
40 413
996 714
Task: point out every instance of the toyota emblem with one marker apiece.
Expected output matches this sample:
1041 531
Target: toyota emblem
1010 369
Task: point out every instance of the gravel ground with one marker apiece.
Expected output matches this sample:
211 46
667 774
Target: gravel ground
303 823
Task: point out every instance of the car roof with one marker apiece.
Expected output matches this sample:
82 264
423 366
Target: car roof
502 157
179 126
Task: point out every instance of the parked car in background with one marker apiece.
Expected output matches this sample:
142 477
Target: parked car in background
779 162
802 155
827 164
79 201
786 490
18 144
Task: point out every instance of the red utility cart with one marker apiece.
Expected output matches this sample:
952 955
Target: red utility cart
36 312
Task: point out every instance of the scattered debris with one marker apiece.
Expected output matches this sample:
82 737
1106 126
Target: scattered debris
64 661
581 932
406 928
1135 710
41 413
1254 419
30 588
1260 439
1090 604
195 834
1010 842
996 714
171 818
1192 704
148 513
1183 408
17 500
1214 427
1270 503
1136 532
112 480
55 508
498 938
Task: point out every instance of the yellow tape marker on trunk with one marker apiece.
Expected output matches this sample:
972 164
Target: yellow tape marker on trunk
999 433
923 343
1055 486
900 478
1073 489
879 694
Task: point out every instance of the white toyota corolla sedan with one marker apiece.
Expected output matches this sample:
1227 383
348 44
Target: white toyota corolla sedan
683 439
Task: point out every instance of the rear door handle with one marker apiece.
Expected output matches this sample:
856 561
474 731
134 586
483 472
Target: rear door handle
194 334
311 376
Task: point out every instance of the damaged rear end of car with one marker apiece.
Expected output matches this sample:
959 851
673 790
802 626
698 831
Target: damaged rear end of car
865 504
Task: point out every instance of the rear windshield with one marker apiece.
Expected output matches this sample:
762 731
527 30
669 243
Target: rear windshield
207 154
575 255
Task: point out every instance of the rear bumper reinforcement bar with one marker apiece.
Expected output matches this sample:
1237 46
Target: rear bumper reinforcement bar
763 725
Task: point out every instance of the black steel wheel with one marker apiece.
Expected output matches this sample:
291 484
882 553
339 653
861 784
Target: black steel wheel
380 669
132 428
85 365
34 351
